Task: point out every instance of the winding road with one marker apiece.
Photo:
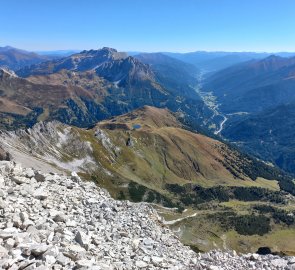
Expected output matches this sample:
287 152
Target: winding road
211 102
221 124
171 222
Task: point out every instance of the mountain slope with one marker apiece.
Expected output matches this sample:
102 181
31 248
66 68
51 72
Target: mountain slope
148 155
24 102
176 75
268 134
266 82
148 145
15 58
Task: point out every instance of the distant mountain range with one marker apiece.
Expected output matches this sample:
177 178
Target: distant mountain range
92 85
214 61
15 58
203 60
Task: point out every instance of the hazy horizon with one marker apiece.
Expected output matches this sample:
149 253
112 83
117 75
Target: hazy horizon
132 51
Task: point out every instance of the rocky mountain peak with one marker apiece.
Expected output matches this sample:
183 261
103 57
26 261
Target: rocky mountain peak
106 54
273 63
108 49
273 57
125 70
137 66
83 61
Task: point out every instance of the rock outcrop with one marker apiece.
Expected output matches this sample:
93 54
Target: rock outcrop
50 221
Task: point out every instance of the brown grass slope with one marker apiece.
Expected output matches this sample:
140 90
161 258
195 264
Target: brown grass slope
155 150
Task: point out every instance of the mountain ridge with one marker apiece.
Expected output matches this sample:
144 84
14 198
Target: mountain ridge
16 58
82 61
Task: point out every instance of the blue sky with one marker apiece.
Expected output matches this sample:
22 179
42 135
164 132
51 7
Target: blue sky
149 25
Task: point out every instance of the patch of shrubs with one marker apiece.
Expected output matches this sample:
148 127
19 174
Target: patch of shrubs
243 224
254 168
18 121
223 218
177 189
139 193
256 194
190 195
288 186
283 216
251 224
136 191
264 208
279 215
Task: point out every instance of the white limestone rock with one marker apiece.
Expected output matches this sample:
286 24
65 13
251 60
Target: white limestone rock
52 221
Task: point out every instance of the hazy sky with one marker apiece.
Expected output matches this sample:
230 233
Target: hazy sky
149 25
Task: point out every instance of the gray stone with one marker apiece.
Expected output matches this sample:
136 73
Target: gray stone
3 252
27 223
60 217
19 180
62 260
10 242
71 223
23 216
82 238
135 243
75 177
279 263
84 263
39 177
40 194
29 173
10 190
50 259
2 204
156 260
141 264
38 249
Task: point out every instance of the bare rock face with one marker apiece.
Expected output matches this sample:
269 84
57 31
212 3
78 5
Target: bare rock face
61 222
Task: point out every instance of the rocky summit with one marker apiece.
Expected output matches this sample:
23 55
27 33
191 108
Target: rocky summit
51 221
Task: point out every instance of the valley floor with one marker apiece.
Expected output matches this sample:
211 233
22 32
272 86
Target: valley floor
217 119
